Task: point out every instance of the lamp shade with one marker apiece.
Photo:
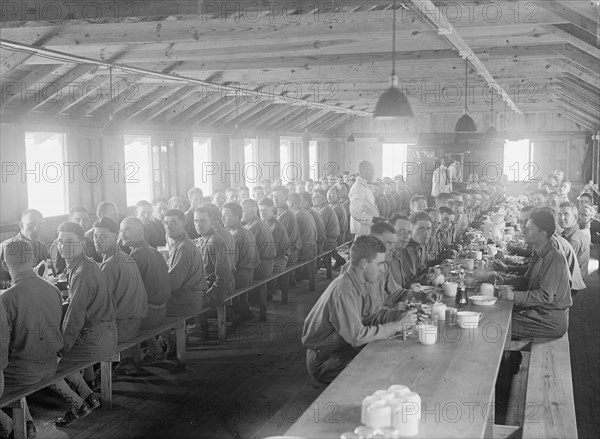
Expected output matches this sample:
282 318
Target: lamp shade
236 133
350 138
112 128
465 124
492 133
392 104
306 137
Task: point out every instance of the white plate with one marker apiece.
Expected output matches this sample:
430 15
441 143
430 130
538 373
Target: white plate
483 300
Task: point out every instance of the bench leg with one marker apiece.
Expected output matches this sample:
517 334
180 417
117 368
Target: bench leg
19 420
221 320
262 302
106 382
327 259
137 355
285 284
311 275
180 336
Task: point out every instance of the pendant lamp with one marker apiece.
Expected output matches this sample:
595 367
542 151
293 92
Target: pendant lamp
466 124
237 133
492 132
112 128
393 104
306 137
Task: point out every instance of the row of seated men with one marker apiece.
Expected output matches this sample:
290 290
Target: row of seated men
368 301
110 301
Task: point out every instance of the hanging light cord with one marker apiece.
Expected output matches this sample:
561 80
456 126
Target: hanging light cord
492 120
394 41
466 84
112 99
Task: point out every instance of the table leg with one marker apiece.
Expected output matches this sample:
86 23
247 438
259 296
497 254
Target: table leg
284 283
262 302
19 421
221 326
106 382
180 336
312 266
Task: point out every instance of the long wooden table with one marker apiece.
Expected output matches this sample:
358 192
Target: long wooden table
454 377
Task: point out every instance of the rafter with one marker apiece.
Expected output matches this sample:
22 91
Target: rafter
451 34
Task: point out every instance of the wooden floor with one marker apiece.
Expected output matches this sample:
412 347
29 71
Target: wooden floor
256 384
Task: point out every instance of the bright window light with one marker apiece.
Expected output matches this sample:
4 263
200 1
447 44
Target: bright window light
203 167
313 160
518 162
394 159
251 172
46 175
138 169
284 156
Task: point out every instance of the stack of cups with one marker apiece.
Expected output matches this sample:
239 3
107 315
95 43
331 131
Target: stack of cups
396 410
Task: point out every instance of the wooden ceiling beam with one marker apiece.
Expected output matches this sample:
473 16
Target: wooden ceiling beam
298 120
243 107
320 125
577 115
336 122
20 86
145 102
172 111
270 112
226 108
570 15
590 62
54 90
279 118
123 99
583 104
200 108
86 91
120 84
449 32
300 125
246 114
28 11
574 40
165 103
572 68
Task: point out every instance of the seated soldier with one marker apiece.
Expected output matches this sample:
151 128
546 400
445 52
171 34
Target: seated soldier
288 221
186 274
330 219
32 333
416 250
175 203
445 234
154 231
195 196
106 209
217 224
258 193
567 220
124 280
248 258
435 253
30 228
218 266
543 295
155 276
282 240
307 230
397 263
335 329
267 248
231 195
89 326
334 201
243 193
308 206
79 215
218 199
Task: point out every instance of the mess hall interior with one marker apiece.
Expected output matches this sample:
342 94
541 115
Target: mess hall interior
301 219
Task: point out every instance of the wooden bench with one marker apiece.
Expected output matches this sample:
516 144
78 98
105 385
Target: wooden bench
221 313
14 397
549 399
541 402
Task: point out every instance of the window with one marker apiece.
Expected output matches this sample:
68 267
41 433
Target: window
518 161
46 174
394 159
284 157
313 160
138 169
204 169
251 173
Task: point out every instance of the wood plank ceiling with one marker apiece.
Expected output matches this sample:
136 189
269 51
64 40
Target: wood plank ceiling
297 64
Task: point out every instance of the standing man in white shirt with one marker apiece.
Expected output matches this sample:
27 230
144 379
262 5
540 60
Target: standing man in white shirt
441 182
363 211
